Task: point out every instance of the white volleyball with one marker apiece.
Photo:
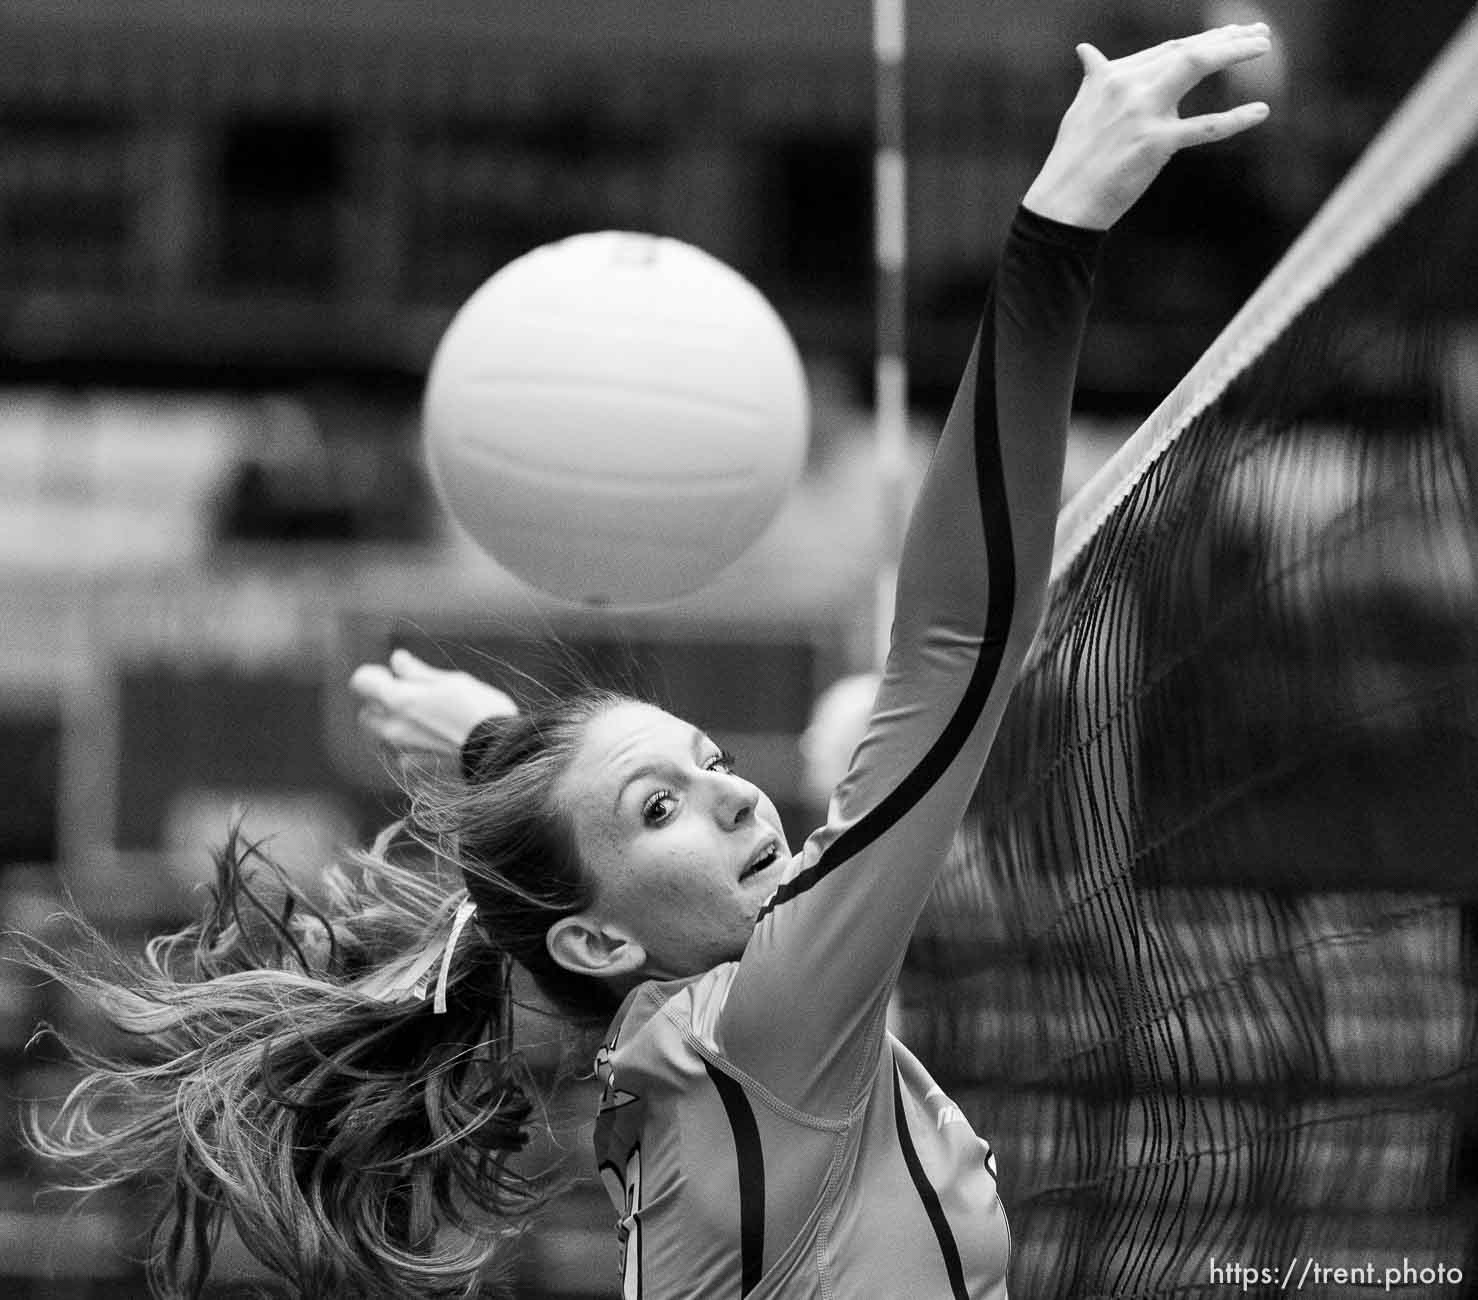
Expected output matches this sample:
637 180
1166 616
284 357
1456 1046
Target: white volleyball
616 417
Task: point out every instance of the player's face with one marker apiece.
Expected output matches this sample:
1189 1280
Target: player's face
683 850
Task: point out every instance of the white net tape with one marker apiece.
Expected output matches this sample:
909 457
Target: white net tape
1431 128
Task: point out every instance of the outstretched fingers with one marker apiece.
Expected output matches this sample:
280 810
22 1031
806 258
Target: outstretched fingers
405 664
1179 65
1124 124
1171 70
1195 46
1092 59
392 685
373 683
390 728
1211 127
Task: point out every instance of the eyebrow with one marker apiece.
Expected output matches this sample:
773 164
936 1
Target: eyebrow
697 742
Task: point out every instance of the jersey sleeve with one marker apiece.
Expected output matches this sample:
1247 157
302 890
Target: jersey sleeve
804 1016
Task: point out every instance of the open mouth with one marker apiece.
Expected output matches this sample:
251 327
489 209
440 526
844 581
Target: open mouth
767 857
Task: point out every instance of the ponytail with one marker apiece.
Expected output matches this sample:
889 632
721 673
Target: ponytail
292 1071
269 1081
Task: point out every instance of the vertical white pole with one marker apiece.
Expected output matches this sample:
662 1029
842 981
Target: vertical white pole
890 208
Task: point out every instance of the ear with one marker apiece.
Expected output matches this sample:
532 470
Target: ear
583 946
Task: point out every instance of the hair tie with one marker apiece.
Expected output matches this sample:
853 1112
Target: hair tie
407 978
459 922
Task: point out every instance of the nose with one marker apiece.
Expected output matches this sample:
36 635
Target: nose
735 801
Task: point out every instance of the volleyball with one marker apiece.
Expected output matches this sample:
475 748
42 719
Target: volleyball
616 417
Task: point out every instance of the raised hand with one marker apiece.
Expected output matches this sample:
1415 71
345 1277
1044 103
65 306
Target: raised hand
415 708
1124 124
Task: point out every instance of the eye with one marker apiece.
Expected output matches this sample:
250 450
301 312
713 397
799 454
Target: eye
657 807
723 761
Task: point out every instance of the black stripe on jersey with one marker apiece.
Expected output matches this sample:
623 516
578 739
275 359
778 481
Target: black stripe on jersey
751 1157
942 1233
1000 557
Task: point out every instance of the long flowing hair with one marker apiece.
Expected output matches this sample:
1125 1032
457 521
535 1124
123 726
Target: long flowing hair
361 1143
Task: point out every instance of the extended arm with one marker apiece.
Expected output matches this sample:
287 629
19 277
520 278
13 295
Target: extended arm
804 1013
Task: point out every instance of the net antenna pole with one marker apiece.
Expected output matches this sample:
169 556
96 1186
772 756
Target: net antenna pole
890 254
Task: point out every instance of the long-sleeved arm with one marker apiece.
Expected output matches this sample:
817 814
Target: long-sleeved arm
804 1013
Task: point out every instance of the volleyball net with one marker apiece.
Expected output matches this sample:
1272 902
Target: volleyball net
1205 964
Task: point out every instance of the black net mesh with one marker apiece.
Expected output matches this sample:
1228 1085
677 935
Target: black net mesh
1205 968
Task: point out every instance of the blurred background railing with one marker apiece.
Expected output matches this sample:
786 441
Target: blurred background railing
229 239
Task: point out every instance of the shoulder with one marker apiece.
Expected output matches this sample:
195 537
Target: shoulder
660 1019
